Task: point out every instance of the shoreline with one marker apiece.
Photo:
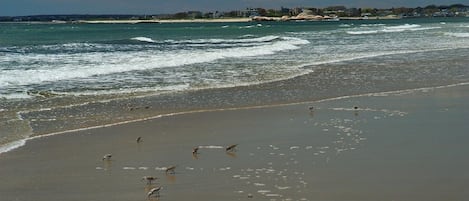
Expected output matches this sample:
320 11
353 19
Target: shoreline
11 146
220 20
284 152
305 88
228 20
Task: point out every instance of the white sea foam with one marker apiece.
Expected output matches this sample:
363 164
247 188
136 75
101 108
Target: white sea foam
264 191
12 145
35 68
457 35
218 41
211 147
15 96
273 195
372 25
390 29
144 39
400 28
172 88
362 32
282 187
129 168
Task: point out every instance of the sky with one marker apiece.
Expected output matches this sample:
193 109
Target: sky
41 7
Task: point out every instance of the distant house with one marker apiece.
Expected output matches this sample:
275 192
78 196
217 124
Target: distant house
366 15
250 12
295 11
352 12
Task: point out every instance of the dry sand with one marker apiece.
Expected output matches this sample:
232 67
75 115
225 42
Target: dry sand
393 147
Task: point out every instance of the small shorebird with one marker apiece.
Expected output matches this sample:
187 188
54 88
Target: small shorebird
107 157
154 192
139 139
231 147
170 169
195 150
149 179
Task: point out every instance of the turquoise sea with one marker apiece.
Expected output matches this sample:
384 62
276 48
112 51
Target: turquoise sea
60 77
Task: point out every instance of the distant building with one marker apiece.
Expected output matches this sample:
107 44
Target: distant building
350 12
284 10
295 11
250 12
366 14
194 14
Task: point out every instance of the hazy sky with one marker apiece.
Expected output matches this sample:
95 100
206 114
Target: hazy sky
34 7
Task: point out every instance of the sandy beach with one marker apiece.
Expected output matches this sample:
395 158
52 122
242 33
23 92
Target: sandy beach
395 146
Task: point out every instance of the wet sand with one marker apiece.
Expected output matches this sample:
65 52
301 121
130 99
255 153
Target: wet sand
408 146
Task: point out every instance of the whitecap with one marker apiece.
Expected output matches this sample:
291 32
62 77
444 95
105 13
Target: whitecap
403 27
362 32
144 39
67 66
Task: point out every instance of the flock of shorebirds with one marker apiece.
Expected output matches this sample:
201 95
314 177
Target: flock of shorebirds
155 192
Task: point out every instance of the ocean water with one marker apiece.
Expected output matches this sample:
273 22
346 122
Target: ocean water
62 77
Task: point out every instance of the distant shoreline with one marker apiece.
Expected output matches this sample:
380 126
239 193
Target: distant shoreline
220 20
212 20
